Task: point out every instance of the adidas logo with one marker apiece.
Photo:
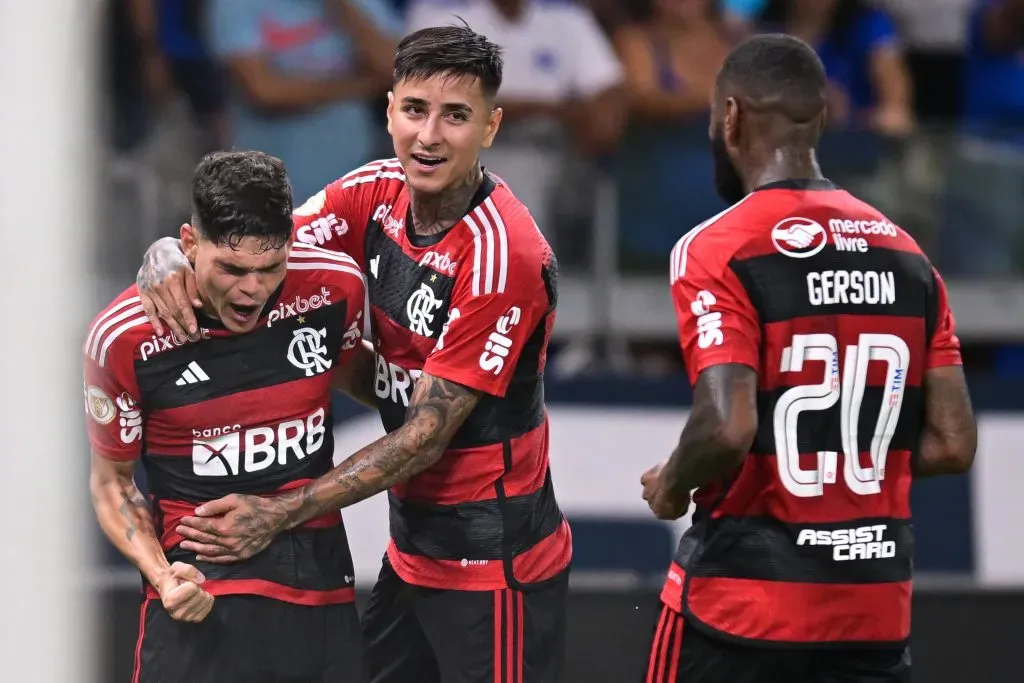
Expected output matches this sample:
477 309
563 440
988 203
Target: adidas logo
193 375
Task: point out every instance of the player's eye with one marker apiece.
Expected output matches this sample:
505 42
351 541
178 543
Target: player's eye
459 116
413 109
231 270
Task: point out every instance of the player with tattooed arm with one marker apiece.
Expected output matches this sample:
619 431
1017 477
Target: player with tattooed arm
462 292
244 408
827 377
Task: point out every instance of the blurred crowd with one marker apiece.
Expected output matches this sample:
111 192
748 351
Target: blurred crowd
926 97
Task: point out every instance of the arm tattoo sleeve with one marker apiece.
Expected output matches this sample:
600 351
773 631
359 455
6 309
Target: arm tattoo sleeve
135 511
720 430
436 411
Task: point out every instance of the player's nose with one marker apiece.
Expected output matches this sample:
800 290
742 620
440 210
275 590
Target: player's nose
429 134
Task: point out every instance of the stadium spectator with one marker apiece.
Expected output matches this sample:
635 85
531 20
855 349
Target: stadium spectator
870 85
934 37
302 73
560 96
671 57
986 188
671 54
174 57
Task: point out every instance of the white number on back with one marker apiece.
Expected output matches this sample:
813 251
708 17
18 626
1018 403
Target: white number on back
847 388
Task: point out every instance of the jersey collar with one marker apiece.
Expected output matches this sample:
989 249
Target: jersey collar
799 184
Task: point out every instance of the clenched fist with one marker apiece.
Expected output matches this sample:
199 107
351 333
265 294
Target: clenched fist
181 594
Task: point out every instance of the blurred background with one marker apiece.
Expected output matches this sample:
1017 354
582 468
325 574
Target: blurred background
605 140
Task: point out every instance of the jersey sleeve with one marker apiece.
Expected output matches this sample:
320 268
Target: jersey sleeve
113 415
944 348
335 218
489 323
717 321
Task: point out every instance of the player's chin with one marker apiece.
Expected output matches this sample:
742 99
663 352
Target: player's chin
429 182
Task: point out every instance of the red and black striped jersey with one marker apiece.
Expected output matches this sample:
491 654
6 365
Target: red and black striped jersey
235 413
473 305
841 314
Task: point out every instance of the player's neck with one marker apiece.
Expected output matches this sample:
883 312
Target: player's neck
786 163
434 213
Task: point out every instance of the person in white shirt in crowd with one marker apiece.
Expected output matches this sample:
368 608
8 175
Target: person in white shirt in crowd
561 92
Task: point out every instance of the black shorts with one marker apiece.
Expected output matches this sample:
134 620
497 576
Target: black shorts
425 635
250 639
681 653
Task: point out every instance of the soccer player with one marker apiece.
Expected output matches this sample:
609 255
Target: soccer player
244 408
827 377
462 292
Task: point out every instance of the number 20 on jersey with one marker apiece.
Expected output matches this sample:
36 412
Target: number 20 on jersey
847 389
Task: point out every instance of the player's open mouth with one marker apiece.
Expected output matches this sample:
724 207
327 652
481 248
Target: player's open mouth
243 313
427 163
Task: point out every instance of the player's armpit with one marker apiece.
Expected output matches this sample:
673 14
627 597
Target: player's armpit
721 428
356 377
125 517
950 436
437 409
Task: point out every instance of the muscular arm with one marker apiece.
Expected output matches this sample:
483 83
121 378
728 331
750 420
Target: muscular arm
356 377
125 517
720 430
436 411
950 436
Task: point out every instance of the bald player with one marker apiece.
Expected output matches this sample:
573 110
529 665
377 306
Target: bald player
827 377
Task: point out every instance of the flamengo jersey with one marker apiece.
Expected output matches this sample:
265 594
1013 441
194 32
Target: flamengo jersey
473 305
246 413
841 314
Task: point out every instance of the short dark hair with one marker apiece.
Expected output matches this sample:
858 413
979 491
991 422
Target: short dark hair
242 194
454 51
776 72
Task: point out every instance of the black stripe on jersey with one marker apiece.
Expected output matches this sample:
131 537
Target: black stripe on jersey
765 549
307 559
475 531
820 430
398 285
265 357
779 290
174 477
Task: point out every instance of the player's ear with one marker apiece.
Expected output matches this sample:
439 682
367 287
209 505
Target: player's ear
731 122
493 123
189 241
390 109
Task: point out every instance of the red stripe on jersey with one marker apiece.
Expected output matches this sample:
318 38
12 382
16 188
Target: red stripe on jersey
468 475
274 591
847 329
829 612
404 349
235 412
764 610
171 512
543 561
757 491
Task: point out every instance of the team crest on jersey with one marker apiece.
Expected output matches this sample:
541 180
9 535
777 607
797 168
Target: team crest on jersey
798 237
308 352
421 309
